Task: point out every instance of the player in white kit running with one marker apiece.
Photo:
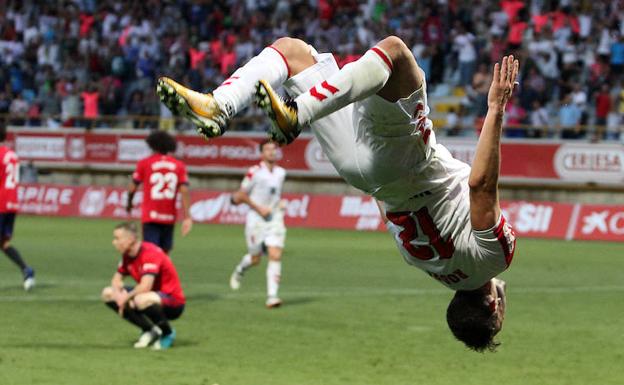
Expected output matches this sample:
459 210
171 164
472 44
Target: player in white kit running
265 232
371 120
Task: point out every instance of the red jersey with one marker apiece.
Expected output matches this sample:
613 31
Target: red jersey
9 178
152 260
162 176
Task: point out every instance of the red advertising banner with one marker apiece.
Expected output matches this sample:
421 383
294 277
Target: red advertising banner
522 161
530 219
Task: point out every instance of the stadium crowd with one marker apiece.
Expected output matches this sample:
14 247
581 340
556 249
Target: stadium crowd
64 63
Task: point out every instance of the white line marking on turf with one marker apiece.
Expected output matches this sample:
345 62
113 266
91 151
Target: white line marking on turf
352 292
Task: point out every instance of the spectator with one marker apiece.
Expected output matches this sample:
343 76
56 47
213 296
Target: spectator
463 43
515 118
452 123
481 84
570 119
90 99
539 120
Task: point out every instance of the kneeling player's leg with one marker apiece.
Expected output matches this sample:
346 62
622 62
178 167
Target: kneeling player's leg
150 304
131 315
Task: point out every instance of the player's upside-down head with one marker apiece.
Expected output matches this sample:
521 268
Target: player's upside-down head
476 316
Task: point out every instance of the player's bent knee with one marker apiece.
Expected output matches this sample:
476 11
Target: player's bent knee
275 253
255 259
394 47
296 53
107 294
144 300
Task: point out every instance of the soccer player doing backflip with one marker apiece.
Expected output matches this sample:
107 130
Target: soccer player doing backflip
370 118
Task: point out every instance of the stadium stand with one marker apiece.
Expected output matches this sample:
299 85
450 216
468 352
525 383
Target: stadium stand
87 63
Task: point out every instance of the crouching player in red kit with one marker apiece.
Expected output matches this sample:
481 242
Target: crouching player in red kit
156 299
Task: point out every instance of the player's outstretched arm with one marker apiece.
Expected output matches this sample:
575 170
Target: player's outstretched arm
483 182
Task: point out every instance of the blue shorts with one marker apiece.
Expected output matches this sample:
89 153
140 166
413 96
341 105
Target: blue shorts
159 234
7 221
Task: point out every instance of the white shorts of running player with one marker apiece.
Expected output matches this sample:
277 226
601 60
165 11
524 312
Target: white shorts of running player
259 233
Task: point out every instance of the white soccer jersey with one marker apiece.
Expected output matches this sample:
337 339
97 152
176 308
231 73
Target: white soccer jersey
264 187
389 151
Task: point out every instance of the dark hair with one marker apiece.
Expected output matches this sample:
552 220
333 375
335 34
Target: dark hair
130 227
263 143
161 142
3 132
471 321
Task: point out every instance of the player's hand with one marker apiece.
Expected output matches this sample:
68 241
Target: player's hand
503 82
187 224
121 299
265 212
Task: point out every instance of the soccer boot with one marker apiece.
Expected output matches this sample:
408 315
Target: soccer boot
165 342
147 338
282 112
29 278
235 280
273 302
201 109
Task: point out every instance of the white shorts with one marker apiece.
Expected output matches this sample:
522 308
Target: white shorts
261 233
362 139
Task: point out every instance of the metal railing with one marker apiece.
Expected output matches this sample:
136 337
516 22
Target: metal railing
257 123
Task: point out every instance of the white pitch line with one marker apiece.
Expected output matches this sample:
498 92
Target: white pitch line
358 292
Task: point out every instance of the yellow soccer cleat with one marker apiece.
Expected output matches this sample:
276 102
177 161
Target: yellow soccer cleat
282 112
201 109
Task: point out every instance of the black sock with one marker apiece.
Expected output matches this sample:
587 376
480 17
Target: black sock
133 316
15 256
157 315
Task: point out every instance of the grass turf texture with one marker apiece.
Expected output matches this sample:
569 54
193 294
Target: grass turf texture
354 313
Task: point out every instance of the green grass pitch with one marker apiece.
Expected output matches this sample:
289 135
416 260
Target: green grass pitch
354 313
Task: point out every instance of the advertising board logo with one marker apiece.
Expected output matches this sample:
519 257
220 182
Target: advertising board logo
92 202
529 217
604 222
315 158
364 209
76 148
590 162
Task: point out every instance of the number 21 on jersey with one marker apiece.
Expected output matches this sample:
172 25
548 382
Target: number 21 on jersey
445 248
